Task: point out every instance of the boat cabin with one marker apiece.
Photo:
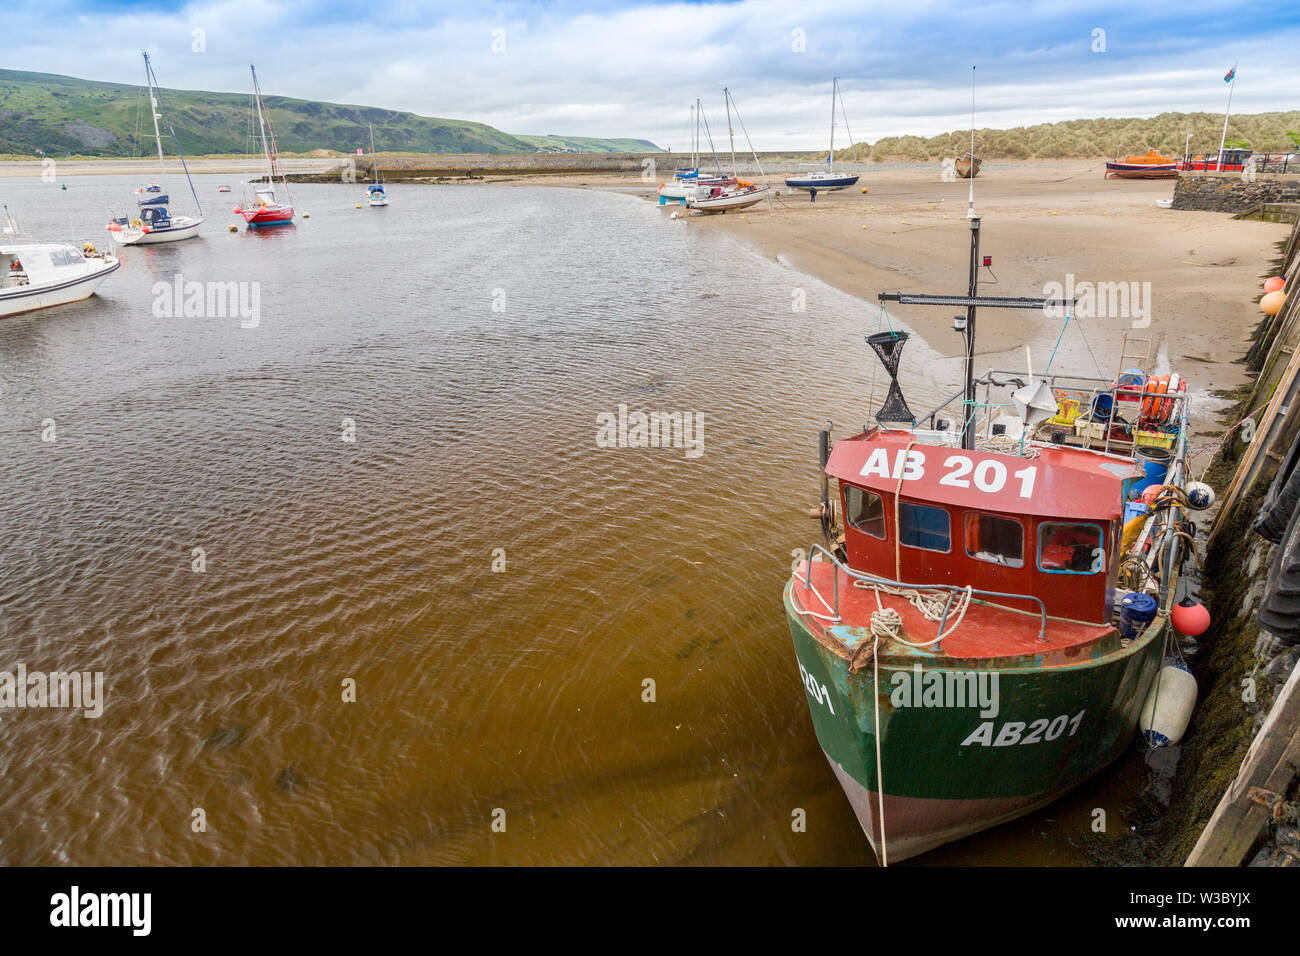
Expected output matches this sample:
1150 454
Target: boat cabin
153 212
1048 525
39 262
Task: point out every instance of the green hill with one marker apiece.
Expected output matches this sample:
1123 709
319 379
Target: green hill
1093 138
48 114
589 144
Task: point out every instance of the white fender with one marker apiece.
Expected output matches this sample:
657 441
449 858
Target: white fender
1168 707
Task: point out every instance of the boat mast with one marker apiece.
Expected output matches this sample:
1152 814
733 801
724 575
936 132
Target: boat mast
726 94
261 125
151 79
153 109
830 156
264 120
374 163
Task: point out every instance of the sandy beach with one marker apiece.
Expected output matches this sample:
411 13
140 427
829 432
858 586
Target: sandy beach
1041 223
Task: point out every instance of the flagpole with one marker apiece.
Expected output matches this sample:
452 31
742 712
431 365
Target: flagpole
1224 138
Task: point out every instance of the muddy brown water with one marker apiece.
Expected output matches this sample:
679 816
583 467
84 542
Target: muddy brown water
472 338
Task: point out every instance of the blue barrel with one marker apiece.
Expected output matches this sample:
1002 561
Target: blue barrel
1155 465
1137 611
1102 406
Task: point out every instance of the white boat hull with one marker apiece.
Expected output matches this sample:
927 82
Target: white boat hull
730 201
138 237
29 298
376 202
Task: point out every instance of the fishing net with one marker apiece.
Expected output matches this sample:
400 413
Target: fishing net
888 347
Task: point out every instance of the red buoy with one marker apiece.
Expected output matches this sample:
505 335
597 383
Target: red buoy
1275 284
1190 617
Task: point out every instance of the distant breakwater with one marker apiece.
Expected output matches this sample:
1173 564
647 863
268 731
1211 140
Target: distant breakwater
463 167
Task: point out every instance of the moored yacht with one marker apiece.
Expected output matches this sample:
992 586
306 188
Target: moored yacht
154 222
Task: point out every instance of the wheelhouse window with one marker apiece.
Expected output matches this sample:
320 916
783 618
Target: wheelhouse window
995 539
1070 548
864 511
924 527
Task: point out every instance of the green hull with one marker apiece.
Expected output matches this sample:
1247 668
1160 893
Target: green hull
955 762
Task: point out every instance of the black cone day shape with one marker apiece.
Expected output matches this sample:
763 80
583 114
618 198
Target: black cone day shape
889 347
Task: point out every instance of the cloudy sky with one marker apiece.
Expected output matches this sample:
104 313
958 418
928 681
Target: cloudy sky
605 68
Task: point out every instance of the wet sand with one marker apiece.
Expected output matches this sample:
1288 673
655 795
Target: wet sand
1041 222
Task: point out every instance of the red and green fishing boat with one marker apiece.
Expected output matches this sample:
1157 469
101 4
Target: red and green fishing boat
980 627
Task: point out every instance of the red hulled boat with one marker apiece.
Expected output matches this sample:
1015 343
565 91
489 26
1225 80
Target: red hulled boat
265 210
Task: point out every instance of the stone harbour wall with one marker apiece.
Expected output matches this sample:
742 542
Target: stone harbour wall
1228 192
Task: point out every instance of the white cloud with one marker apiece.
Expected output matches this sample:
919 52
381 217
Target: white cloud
632 70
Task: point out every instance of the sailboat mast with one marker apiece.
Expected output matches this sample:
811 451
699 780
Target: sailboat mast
830 156
374 163
153 109
726 96
261 125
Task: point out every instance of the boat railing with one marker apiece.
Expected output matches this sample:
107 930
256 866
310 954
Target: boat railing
1088 387
951 590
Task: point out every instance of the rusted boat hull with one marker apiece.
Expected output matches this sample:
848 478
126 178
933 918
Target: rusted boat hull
950 771
967 170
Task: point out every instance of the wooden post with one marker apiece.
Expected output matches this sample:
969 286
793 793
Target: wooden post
1270 764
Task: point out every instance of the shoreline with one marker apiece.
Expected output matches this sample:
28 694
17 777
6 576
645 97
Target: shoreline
1196 273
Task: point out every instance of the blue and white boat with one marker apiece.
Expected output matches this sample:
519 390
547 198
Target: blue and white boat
375 195
827 180
154 222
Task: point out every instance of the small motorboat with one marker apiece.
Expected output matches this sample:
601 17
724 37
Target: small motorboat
223 189
37 275
968 166
153 188
1151 166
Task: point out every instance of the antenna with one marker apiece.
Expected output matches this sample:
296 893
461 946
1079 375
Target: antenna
970 202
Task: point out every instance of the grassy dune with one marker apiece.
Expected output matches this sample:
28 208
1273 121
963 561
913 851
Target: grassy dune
1089 139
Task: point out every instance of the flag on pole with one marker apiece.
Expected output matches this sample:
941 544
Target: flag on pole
1230 74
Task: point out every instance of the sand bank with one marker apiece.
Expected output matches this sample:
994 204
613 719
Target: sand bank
1042 222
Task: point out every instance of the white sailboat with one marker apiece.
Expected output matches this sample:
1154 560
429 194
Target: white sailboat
686 182
827 180
738 195
154 223
375 195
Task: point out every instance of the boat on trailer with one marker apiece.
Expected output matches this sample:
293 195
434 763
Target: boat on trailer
827 180
154 222
266 210
983 621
